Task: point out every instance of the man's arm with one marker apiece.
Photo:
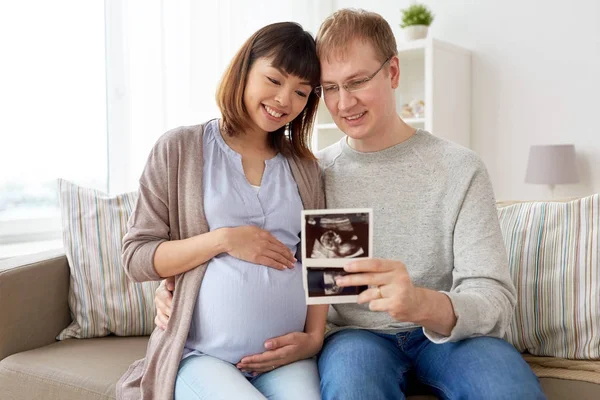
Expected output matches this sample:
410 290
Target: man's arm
483 295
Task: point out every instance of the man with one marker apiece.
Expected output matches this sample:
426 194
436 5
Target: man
441 296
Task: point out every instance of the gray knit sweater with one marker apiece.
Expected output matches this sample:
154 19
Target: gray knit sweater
434 210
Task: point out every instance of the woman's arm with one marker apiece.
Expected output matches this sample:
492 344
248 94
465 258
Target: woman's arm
248 243
316 318
175 257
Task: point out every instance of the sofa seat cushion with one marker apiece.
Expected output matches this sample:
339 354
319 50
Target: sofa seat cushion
561 368
77 369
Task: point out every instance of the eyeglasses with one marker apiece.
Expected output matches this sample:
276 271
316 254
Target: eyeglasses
350 86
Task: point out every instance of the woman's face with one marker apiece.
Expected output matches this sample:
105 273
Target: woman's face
272 97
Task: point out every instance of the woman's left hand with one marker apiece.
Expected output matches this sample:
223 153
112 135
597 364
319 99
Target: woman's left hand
281 351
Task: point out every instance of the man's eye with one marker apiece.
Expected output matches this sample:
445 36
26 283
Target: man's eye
275 81
357 84
330 88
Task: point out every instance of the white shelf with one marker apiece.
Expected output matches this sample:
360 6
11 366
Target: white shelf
412 45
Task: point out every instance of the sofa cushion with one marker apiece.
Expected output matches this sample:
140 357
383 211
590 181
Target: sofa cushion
101 297
561 368
554 261
77 369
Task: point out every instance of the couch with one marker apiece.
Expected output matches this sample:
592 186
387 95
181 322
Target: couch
33 365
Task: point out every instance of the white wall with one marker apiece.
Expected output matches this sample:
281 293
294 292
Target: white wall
536 80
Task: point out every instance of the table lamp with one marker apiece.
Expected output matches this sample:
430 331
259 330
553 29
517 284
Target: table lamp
552 164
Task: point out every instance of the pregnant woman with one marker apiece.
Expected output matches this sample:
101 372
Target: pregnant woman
219 209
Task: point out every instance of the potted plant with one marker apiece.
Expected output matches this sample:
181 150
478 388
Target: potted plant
415 21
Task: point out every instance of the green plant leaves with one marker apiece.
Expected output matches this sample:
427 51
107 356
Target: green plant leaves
416 14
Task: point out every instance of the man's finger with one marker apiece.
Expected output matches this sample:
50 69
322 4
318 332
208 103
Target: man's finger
368 295
160 321
371 265
368 279
379 304
170 283
163 305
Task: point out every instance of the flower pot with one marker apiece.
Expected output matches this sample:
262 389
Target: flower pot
415 32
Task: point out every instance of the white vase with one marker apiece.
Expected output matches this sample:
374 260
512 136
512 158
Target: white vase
414 32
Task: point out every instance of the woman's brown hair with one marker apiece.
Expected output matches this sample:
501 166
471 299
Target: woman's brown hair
293 50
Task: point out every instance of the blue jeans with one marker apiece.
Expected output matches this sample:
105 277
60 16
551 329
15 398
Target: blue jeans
360 364
203 377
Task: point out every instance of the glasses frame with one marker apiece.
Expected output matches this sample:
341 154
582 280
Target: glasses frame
319 91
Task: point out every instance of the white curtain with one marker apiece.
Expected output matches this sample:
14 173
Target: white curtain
164 61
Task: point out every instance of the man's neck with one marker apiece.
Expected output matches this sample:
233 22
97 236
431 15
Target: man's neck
396 133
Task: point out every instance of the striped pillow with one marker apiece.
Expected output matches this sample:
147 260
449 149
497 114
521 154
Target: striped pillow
102 299
554 262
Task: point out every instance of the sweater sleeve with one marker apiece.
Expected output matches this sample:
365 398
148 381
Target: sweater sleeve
148 225
483 295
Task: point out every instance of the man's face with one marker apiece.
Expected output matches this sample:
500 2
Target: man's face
365 113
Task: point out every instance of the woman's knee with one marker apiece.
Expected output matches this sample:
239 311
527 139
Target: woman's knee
295 381
202 377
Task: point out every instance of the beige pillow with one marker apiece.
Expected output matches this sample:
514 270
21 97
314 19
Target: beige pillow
102 299
553 250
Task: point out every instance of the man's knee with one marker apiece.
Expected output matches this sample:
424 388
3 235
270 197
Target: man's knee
489 368
359 365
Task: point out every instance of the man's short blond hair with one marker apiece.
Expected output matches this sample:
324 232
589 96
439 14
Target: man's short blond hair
346 25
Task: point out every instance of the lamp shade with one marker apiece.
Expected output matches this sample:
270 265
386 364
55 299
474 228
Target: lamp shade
552 164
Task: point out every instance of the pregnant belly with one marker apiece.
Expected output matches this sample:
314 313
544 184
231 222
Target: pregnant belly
241 305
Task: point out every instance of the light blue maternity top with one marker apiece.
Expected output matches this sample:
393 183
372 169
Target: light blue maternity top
240 305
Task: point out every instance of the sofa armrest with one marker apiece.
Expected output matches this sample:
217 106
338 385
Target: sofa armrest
34 308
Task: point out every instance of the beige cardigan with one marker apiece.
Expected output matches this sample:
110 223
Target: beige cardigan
170 207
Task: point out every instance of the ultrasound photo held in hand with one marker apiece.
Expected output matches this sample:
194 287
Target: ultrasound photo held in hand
344 235
330 240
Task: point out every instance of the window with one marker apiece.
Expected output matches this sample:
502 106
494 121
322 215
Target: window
87 87
53 122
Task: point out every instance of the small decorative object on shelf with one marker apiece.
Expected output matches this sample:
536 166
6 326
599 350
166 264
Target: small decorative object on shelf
417 107
415 21
414 109
406 111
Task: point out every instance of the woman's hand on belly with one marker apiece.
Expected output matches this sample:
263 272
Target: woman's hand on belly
258 246
283 350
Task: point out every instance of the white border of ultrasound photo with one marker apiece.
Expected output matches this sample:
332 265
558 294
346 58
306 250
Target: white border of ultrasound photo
332 263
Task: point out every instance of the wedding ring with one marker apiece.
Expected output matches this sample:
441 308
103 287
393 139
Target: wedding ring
379 292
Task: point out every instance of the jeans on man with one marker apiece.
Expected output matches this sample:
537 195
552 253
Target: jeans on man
360 364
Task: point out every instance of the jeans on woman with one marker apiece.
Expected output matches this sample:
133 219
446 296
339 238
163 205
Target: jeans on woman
201 377
360 364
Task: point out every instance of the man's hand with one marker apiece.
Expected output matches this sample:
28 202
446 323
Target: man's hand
281 351
163 299
392 291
